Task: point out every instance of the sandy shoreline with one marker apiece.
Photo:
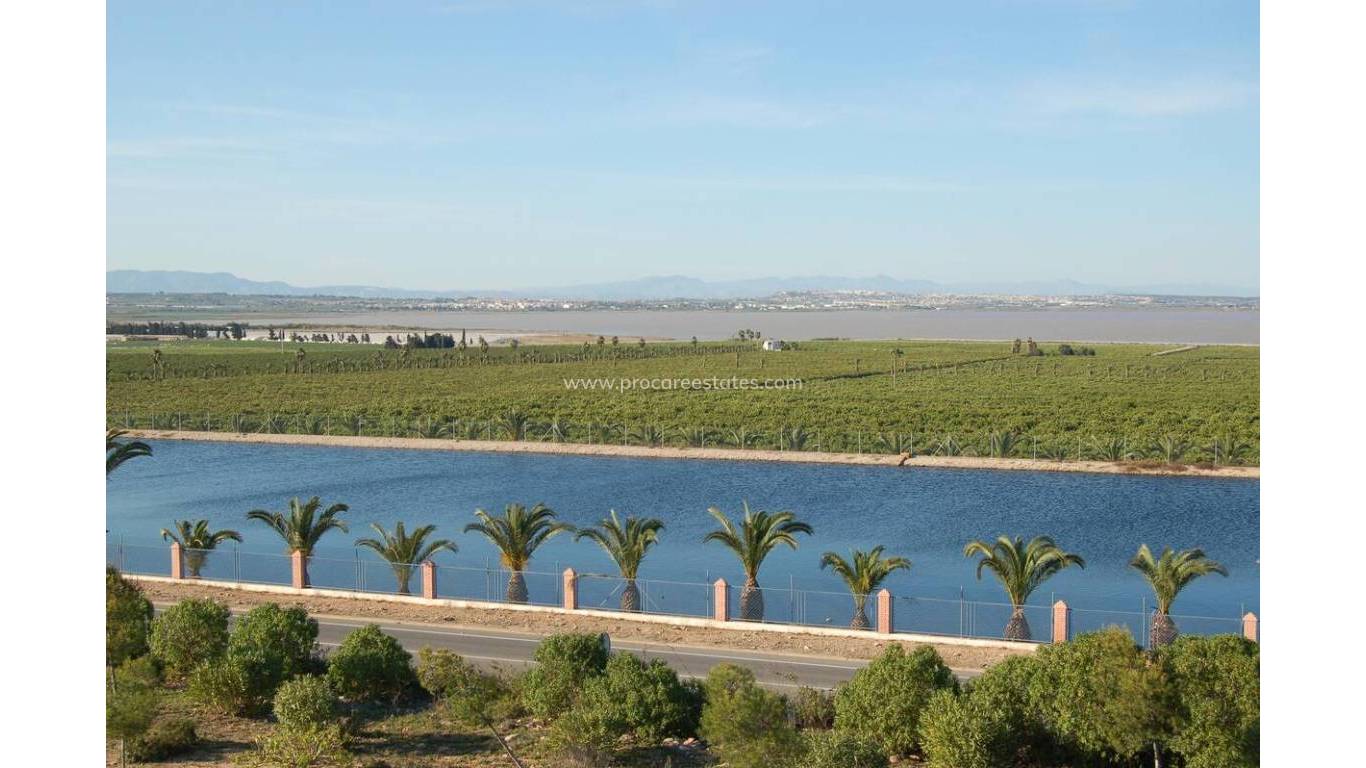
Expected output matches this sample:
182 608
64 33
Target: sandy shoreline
714 454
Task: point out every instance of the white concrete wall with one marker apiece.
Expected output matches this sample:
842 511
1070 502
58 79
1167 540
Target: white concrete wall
648 618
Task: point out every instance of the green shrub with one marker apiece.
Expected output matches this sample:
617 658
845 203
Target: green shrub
832 749
644 700
654 702
370 666
589 731
227 685
305 701
813 708
471 696
1217 688
563 664
165 739
1003 690
127 619
1100 695
302 747
883 701
745 725
957 732
188 634
284 639
130 701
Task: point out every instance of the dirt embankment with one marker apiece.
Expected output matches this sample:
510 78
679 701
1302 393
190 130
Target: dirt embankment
723 454
956 656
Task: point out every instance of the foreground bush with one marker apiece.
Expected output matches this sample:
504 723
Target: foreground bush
370 666
127 619
1217 686
188 634
883 701
304 702
1101 695
832 749
645 701
957 732
130 702
471 696
1003 691
228 685
285 639
563 664
302 747
165 739
813 708
744 725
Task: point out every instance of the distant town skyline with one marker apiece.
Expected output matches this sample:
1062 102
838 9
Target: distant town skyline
505 145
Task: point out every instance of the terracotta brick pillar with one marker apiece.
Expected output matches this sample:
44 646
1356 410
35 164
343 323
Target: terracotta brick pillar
1062 622
298 569
571 590
720 599
1250 626
884 611
177 561
429 580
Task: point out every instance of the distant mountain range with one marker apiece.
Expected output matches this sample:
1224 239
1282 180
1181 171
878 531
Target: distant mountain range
646 288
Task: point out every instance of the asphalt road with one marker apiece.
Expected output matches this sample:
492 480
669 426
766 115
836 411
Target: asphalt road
512 651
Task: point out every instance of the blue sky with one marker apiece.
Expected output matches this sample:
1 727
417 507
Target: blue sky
501 144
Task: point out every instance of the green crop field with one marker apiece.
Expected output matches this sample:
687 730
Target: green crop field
969 398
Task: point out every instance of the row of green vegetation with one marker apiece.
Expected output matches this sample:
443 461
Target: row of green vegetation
1095 700
1020 566
950 398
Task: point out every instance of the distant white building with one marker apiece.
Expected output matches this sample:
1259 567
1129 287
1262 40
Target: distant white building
773 345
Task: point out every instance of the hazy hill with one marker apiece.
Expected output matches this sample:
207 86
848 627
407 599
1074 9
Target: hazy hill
659 287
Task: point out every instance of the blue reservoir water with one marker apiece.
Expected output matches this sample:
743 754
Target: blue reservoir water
924 514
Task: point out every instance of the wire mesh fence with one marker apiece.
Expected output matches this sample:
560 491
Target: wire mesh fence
657 596
967 618
790 605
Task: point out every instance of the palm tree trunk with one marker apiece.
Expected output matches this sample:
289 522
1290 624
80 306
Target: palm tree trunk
1018 626
1162 632
194 561
630 597
860 620
403 573
516 588
751 601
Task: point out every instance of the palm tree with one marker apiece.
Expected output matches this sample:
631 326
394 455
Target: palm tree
758 534
303 527
863 576
517 535
1168 575
1020 568
196 540
118 451
1171 448
626 543
404 550
513 423
1002 444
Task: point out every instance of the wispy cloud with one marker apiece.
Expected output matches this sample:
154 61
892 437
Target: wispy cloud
1138 100
739 56
182 146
